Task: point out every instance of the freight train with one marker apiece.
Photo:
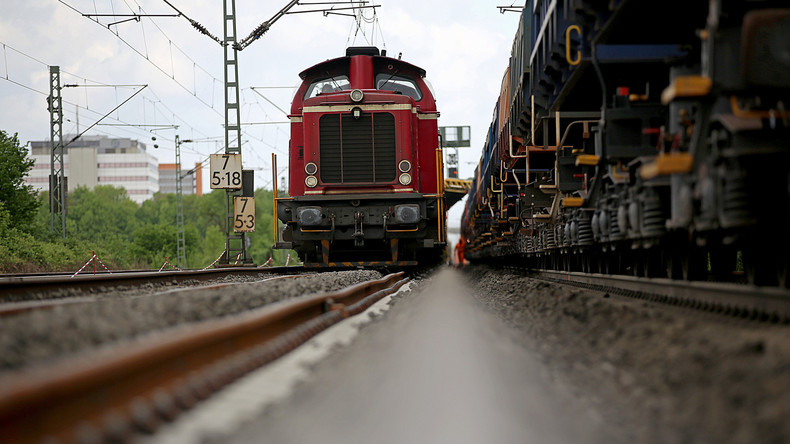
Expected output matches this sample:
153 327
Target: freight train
366 179
640 137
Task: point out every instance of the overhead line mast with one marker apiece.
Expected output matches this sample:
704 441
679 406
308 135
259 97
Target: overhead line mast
233 242
57 177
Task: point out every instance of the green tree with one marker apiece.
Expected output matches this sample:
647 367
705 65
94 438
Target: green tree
18 198
104 218
153 242
102 214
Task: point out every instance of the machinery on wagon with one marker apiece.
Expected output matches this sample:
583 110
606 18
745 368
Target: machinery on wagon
649 138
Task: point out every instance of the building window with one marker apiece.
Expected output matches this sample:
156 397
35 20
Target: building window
123 178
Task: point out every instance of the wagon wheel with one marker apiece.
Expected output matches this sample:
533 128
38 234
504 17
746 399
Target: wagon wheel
673 263
654 263
722 263
694 264
759 268
782 273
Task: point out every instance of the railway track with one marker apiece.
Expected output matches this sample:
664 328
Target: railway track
23 286
766 304
12 308
134 387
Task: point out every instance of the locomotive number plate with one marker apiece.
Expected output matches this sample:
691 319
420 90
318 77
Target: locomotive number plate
226 171
243 214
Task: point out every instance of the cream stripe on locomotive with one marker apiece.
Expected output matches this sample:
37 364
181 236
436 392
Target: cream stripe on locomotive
348 108
397 190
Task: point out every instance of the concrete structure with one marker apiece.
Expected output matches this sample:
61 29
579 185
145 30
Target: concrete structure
191 180
100 160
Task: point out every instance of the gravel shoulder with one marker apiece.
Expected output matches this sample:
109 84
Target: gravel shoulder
39 337
654 373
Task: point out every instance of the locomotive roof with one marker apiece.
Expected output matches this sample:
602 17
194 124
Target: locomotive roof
329 65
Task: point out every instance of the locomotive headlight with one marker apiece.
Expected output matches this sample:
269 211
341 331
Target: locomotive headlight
404 179
406 214
311 168
404 166
310 181
356 112
308 216
357 95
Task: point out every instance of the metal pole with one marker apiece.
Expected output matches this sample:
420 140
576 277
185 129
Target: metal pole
180 236
57 179
234 243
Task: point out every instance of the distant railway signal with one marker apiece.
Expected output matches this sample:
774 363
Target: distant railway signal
456 136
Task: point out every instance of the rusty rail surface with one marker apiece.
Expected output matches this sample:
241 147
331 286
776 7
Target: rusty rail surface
14 287
111 395
13 308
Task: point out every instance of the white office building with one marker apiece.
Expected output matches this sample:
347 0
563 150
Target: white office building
100 160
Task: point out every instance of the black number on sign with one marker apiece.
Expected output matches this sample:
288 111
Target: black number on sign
215 178
250 221
225 165
236 178
243 205
239 222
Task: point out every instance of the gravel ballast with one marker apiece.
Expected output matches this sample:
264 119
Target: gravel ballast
38 337
655 373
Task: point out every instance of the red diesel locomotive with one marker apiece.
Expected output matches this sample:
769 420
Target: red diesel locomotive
365 165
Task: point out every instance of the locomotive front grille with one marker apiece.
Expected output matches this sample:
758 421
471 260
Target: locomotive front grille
360 150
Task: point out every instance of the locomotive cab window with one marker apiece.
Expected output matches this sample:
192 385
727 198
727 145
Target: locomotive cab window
327 85
399 84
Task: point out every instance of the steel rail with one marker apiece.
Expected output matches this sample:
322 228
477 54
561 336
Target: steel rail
12 308
117 392
16 307
764 303
15 286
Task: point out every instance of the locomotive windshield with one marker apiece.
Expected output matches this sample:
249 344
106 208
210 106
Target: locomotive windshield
399 84
328 85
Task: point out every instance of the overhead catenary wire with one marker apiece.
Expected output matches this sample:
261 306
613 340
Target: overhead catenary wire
89 83
359 19
202 29
147 58
254 89
102 118
125 125
193 92
263 27
154 110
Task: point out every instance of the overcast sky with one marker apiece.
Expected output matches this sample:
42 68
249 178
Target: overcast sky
463 45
